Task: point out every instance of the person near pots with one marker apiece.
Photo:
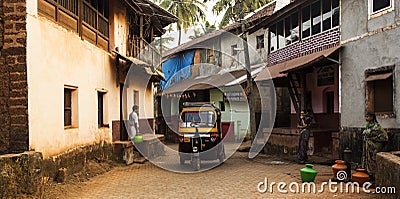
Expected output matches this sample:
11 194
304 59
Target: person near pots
374 138
304 128
133 123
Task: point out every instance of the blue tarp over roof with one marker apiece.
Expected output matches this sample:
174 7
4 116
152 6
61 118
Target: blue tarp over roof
177 68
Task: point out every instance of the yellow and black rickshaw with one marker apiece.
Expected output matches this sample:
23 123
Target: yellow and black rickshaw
200 134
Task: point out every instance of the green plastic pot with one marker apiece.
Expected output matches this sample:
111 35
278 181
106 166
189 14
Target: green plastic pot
308 173
138 139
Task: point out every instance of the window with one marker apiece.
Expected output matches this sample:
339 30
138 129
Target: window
234 49
101 109
316 17
335 13
136 97
326 15
294 27
67 107
274 41
380 92
70 106
260 41
306 25
285 32
280 35
379 5
222 106
326 76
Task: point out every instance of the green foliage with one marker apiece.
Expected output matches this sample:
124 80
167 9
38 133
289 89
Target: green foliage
188 11
233 10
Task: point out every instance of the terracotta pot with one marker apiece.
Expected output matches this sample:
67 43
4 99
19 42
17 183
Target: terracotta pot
360 176
339 166
308 173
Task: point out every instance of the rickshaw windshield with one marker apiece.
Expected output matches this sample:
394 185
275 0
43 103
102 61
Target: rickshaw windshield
201 118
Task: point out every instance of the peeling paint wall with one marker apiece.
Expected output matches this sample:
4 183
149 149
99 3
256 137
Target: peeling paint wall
368 42
357 56
57 57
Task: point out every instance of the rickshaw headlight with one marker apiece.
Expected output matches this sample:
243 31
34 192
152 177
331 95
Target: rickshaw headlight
195 149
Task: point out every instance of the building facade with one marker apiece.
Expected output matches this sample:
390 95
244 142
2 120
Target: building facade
369 77
303 62
66 80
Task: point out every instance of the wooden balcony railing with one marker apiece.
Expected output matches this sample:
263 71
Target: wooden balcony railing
79 16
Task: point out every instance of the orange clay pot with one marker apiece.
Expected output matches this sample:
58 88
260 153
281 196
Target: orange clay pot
360 177
339 166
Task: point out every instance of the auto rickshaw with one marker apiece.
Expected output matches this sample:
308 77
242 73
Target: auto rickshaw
200 133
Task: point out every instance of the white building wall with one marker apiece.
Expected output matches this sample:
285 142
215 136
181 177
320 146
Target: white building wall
57 57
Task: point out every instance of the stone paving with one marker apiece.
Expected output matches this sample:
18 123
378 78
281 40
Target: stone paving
238 177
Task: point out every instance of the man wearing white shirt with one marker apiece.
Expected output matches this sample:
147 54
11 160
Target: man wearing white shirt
133 123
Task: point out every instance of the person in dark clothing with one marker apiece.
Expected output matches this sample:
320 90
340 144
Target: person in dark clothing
304 129
374 138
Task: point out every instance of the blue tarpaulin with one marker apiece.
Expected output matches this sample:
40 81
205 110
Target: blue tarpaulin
177 68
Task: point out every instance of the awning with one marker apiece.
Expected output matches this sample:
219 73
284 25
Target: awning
307 60
375 77
281 69
254 72
271 72
203 83
156 75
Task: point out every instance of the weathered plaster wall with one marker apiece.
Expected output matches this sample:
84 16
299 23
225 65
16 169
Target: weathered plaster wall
377 50
237 61
57 57
356 21
118 31
367 43
252 41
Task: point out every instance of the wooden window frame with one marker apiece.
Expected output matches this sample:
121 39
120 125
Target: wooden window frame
72 108
370 92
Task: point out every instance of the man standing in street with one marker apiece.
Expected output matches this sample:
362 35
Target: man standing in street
133 123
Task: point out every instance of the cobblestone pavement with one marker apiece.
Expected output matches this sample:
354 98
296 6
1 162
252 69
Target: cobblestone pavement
238 177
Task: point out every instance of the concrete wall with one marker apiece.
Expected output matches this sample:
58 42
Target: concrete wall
369 42
378 37
233 62
252 41
387 173
378 50
355 20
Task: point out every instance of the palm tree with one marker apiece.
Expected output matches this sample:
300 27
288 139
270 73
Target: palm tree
188 11
205 29
233 9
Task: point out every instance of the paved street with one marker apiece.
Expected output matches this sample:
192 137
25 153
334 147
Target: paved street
238 177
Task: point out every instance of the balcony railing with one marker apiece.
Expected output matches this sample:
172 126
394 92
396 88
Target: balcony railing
78 16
